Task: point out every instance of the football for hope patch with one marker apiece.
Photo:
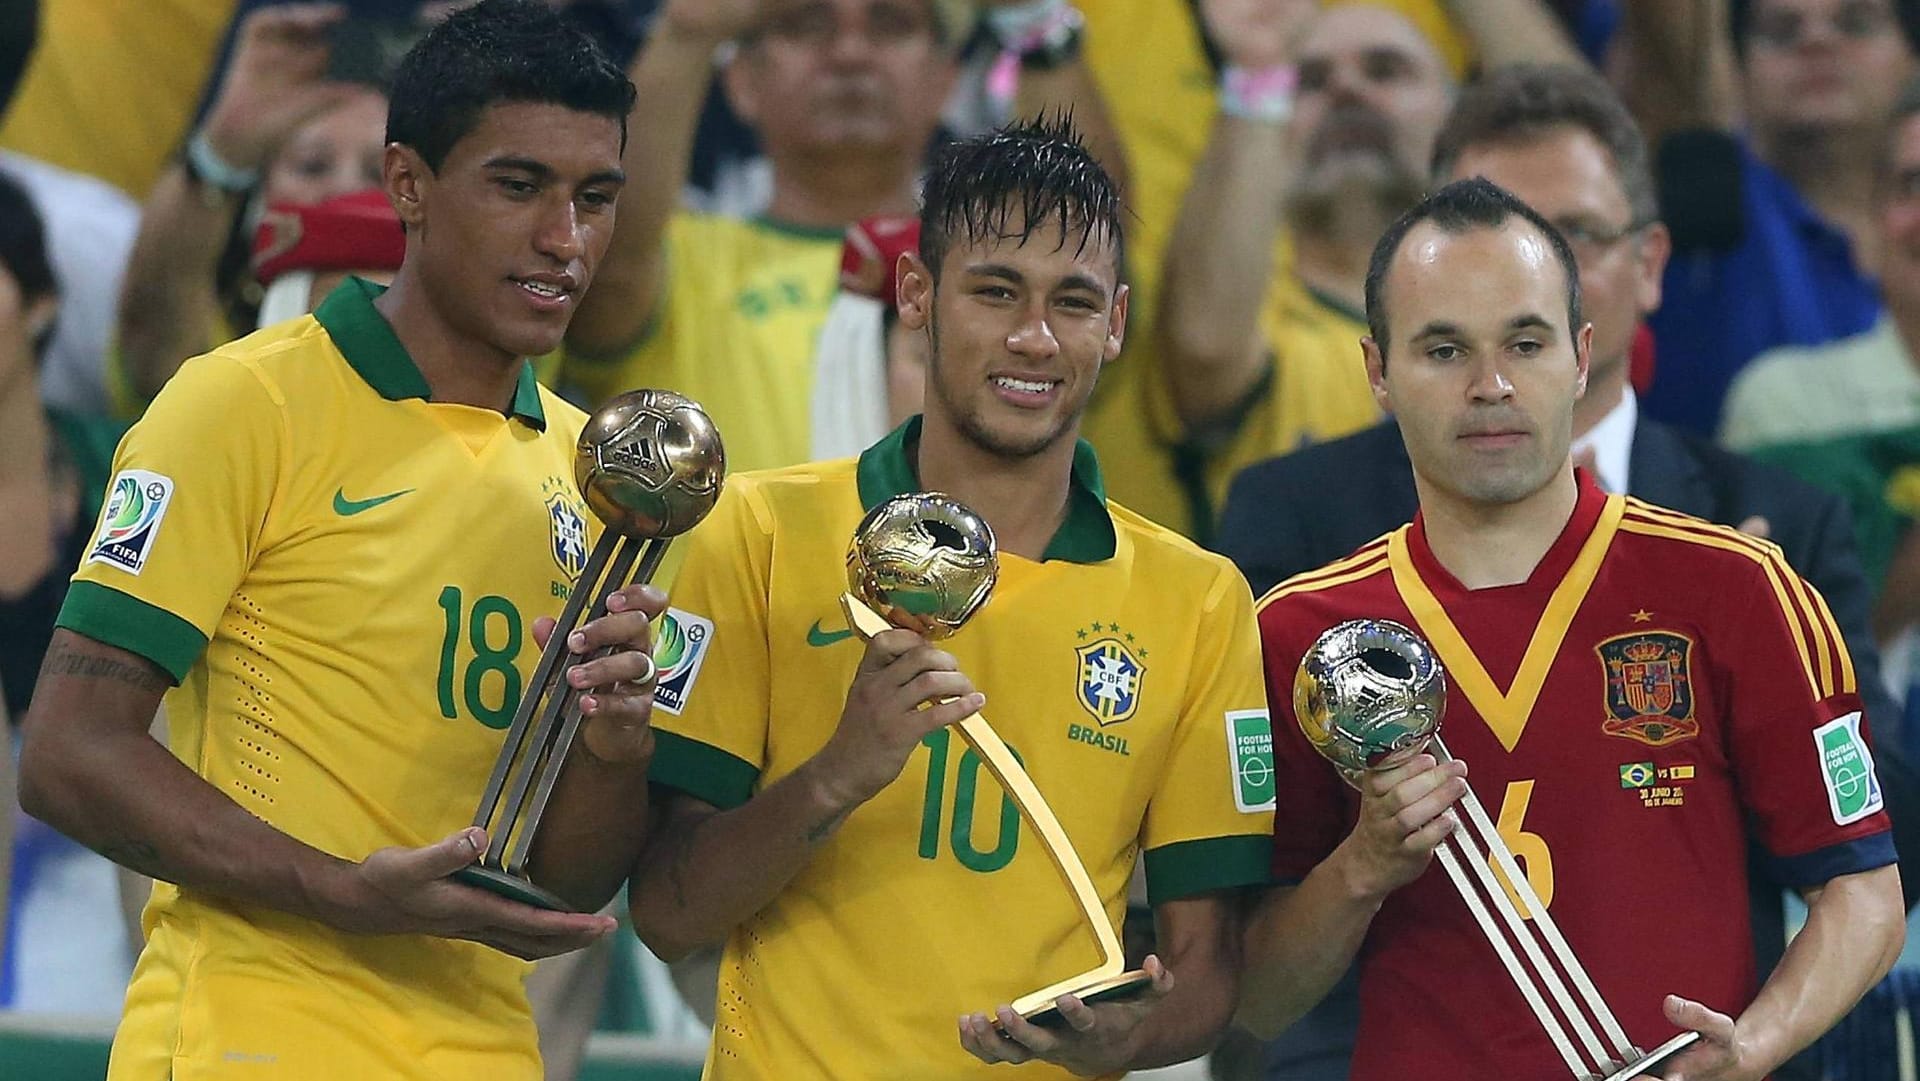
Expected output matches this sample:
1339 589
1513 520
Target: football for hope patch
1250 738
1846 768
136 503
680 644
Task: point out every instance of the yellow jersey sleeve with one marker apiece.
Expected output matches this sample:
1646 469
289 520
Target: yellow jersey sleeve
712 699
1209 824
192 485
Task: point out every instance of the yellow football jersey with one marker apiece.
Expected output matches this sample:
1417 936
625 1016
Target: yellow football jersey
1124 670
342 577
738 316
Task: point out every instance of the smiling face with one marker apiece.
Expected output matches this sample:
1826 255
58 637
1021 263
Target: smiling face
506 235
1482 369
1019 331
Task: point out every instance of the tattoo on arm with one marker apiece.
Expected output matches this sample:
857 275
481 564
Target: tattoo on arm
65 661
681 859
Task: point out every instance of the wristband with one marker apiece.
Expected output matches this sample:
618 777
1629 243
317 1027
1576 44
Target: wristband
1040 35
1264 94
207 168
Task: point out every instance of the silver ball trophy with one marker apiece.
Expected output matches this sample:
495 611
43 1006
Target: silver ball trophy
1369 695
650 466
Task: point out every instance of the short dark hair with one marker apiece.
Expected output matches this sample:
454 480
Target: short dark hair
23 247
1526 101
1038 168
499 51
1475 203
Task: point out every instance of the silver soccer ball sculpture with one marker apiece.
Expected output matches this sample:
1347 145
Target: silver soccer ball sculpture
650 464
1369 694
924 561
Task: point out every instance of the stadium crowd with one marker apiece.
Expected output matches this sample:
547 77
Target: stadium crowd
1737 182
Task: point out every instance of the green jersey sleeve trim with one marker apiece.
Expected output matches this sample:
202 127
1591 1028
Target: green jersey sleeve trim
1188 868
105 614
701 770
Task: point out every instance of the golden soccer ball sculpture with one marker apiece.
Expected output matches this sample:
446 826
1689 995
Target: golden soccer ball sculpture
924 562
650 463
1369 694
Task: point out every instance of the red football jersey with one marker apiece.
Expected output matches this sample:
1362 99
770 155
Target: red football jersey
1657 689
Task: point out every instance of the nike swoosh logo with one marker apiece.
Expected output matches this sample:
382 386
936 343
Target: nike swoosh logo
346 508
818 637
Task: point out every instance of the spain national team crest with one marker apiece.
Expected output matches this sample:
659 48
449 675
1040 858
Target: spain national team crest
569 531
1649 687
1109 680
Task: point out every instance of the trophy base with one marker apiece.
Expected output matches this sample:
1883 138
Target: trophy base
511 887
1112 989
1654 1058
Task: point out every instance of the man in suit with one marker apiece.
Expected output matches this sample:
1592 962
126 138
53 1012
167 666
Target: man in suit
1560 140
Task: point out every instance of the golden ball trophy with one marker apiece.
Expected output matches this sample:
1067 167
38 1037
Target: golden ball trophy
650 465
924 562
1369 695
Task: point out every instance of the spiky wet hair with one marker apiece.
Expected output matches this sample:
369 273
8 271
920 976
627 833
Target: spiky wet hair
1016 181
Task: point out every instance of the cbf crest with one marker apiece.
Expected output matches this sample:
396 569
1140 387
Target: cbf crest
1649 687
1109 676
567 529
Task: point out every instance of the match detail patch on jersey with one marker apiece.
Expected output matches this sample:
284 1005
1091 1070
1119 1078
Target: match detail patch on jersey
680 644
135 505
1853 788
1250 737
1649 687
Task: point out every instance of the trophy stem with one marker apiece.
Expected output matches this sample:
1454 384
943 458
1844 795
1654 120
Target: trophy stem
539 758
545 675
1110 977
1542 920
651 552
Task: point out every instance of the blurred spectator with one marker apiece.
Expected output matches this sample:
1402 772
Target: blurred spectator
844 96
871 371
1325 123
1839 413
302 250
90 229
278 128
1767 137
111 83
40 522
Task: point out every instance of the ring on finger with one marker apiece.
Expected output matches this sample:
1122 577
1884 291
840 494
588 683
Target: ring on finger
646 678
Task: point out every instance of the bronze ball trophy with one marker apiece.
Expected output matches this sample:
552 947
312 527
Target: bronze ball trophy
1369 695
650 465
924 562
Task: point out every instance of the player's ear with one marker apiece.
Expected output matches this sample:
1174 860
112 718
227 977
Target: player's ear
913 291
1117 325
406 178
1376 362
1583 357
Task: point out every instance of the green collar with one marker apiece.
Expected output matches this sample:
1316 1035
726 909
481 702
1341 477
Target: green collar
364 337
1087 536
